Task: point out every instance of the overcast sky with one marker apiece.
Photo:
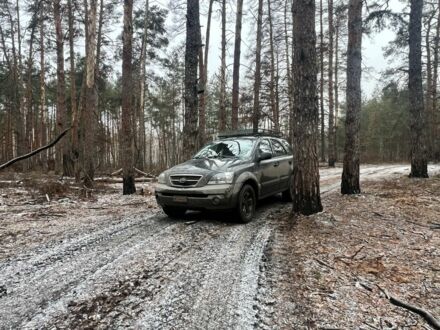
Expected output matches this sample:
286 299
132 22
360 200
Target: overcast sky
372 46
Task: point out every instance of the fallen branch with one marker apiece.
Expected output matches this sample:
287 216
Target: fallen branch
427 316
36 151
143 173
116 172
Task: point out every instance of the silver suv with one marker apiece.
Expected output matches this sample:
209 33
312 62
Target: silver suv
232 172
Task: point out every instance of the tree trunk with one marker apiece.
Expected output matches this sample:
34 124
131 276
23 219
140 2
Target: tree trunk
126 136
306 192
222 110
289 73
202 114
321 82
43 109
336 87
204 82
190 131
436 114
73 103
331 105
90 97
142 88
257 78
63 152
350 174
236 69
429 83
419 163
273 105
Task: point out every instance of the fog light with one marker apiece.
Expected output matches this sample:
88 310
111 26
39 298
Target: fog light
216 201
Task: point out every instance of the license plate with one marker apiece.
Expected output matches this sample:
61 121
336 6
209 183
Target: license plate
180 199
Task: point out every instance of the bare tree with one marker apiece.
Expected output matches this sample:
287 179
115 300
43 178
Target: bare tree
222 110
419 162
63 152
257 79
127 139
90 96
236 69
306 192
190 131
350 174
331 104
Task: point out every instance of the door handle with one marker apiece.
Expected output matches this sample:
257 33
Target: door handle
276 164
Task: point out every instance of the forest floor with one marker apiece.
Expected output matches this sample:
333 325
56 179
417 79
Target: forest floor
71 258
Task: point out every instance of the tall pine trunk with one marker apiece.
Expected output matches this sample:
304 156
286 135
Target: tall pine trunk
236 69
272 83
126 137
64 159
350 175
257 77
306 191
321 81
331 104
419 163
204 82
73 102
190 129
222 110
90 97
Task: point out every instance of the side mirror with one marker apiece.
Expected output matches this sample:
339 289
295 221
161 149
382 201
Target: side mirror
264 155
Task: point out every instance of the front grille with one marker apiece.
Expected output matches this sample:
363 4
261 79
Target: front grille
183 180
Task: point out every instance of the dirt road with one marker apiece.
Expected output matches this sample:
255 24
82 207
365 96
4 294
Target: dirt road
147 271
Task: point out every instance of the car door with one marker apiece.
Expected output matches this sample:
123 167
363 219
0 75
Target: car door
284 163
267 169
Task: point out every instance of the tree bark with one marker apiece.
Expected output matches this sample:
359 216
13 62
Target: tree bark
321 82
419 163
73 103
272 84
126 136
331 105
289 73
43 109
190 129
350 175
436 114
236 69
63 152
306 191
204 82
142 89
222 110
90 97
257 77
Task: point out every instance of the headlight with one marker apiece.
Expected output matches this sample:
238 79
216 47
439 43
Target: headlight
222 178
161 178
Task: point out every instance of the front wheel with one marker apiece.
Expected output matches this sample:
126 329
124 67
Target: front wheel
174 212
246 204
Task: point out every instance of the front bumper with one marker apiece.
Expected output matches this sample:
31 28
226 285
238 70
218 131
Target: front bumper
209 197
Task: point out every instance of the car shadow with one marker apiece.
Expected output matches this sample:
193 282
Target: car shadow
226 216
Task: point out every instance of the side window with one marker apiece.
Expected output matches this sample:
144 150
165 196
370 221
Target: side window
287 146
278 148
264 146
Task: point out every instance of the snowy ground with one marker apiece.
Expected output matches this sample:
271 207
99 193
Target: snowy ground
78 259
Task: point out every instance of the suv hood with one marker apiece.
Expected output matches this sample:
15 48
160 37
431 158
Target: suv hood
205 165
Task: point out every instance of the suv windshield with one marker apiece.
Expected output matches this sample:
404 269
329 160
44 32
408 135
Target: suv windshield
241 148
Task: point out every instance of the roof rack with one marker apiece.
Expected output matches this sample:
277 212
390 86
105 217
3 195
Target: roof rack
249 132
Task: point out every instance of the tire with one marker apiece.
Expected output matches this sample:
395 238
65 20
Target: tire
174 212
247 201
287 195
